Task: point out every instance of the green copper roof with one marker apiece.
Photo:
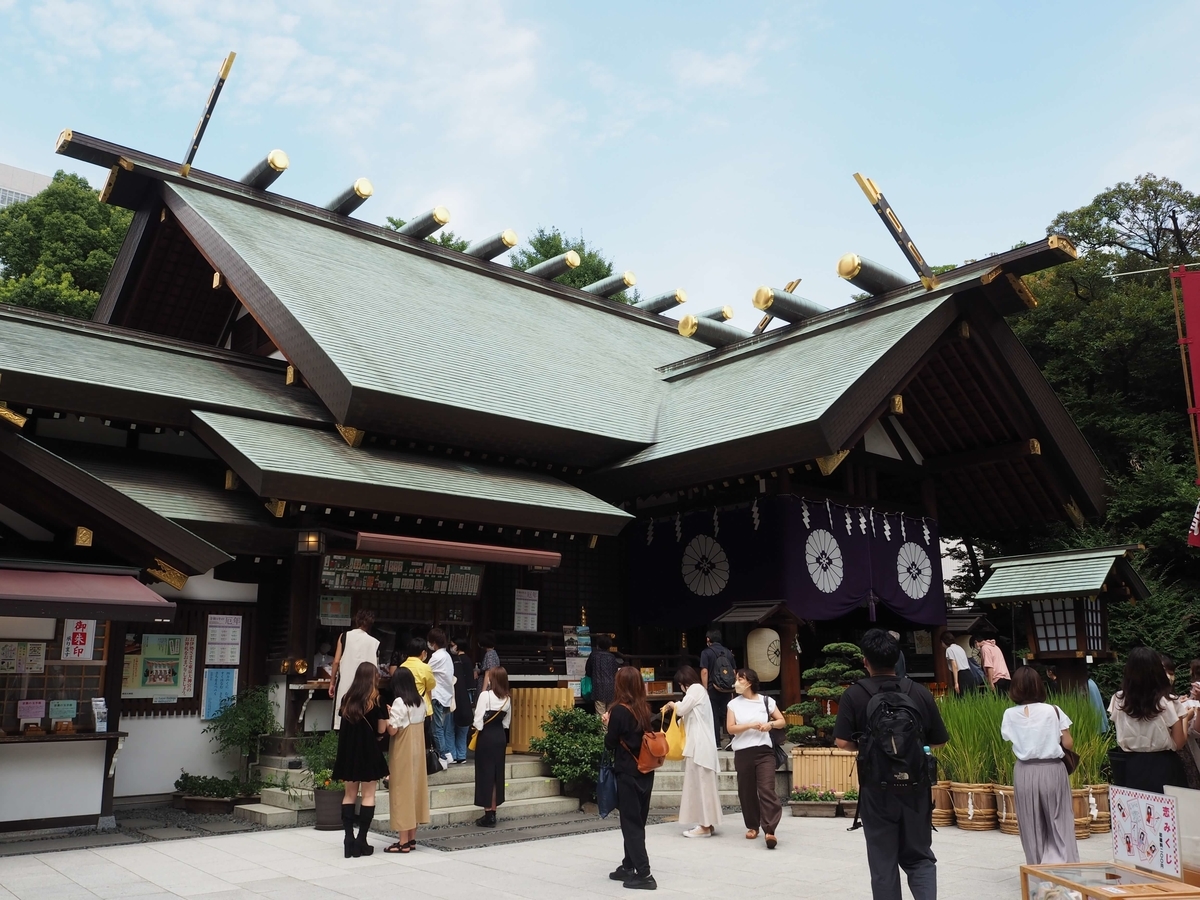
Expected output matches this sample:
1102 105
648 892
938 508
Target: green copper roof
360 315
318 467
1071 573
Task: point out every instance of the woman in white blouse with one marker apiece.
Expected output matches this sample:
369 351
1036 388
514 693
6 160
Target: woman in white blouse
701 800
493 713
1039 732
409 785
1148 724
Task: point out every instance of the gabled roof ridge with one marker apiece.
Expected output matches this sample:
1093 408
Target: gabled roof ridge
1115 551
140 338
102 153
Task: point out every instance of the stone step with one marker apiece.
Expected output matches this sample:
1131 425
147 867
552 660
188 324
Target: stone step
278 776
724 760
444 796
275 761
285 799
673 781
671 799
262 814
511 809
516 767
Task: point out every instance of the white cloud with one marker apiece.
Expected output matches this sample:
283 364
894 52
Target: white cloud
733 69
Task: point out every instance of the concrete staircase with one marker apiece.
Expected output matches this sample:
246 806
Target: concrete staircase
280 806
529 791
668 783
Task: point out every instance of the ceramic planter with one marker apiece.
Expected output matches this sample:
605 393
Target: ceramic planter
849 808
814 809
328 809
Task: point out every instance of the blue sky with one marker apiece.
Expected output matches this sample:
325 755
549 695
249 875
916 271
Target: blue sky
705 146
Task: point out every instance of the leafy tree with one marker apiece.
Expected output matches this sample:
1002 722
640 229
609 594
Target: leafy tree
444 238
57 248
547 244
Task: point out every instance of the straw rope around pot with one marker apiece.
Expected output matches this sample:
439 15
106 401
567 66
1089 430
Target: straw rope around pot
974 806
1083 818
1098 809
1006 809
943 805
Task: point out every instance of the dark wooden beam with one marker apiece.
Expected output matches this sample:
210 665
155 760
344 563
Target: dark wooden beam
971 459
129 258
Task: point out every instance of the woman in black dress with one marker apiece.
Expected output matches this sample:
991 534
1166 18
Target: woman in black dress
627 717
493 713
360 761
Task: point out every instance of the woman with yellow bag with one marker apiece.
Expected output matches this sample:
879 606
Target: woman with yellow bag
701 801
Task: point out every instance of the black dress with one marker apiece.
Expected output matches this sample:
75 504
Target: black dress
490 758
359 754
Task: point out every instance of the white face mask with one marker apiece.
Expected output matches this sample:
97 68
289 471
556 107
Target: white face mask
740 686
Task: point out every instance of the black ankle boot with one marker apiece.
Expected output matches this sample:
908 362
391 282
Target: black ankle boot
487 820
350 843
365 815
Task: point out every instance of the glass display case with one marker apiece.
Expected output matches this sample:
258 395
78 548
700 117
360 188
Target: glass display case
1095 880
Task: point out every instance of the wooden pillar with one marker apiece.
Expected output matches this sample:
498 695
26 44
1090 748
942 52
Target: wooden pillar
303 600
114 665
789 665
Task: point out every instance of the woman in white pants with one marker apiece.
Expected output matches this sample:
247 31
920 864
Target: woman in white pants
701 801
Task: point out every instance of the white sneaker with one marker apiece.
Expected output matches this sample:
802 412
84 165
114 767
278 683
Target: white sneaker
698 831
445 762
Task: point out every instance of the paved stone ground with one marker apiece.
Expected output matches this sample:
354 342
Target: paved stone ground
816 858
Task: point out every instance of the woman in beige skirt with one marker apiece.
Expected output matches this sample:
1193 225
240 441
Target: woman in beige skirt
408 801
701 800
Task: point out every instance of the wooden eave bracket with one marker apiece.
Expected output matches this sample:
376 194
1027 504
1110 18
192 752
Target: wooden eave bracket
168 574
1074 513
827 464
353 436
276 507
15 419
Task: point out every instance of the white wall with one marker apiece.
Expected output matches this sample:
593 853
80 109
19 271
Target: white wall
157 748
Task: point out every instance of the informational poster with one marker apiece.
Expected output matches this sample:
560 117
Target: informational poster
1145 830
223 643
220 686
31 709
64 709
576 666
163 667
525 612
79 636
923 642
22 657
335 610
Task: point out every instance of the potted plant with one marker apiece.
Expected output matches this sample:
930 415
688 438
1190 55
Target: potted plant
799 713
968 758
1089 793
813 801
849 803
319 754
571 744
242 723
208 794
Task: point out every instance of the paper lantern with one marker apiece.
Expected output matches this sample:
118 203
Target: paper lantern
763 651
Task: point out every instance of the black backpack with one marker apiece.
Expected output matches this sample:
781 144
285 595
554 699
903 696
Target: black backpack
891 751
723 673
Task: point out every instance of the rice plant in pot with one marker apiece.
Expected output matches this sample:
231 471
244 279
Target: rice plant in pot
968 759
318 754
1088 790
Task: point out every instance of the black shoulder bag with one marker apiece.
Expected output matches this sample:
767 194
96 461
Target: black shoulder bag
777 738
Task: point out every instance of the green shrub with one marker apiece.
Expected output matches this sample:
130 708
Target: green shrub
212 786
809 708
798 733
826 693
572 744
853 674
851 794
242 722
842 648
824 723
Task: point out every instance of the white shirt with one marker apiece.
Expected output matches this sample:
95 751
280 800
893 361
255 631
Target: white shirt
489 703
401 715
751 712
1035 730
956 653
1144 736
695 709
443 673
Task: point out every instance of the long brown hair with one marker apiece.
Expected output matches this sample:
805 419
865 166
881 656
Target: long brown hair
630 691
1144 684
497 679
363 694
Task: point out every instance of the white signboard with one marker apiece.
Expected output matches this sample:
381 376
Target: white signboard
525 617
223 644
1145 830
79 637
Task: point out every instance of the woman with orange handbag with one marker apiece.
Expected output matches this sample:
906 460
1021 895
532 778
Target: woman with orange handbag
626 720
701 800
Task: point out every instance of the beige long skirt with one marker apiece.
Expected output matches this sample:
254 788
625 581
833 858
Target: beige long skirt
701 800
408 790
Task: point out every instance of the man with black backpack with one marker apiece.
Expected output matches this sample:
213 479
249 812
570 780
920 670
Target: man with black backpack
718 671
891 721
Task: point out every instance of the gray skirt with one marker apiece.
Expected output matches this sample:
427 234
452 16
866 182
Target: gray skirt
1042 792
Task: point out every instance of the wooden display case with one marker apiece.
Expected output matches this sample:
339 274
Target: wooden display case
1099 880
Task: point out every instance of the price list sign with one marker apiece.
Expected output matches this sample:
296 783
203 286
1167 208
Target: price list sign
223 643
385 574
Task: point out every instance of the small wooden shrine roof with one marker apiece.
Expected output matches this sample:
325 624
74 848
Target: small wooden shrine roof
1068 573
292 463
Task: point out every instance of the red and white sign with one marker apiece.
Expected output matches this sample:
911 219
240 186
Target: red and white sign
1145 830
79 636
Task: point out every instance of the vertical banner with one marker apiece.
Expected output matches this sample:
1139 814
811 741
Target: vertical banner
1145 830
79 636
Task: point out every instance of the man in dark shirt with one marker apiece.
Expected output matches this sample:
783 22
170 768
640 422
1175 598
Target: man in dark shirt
602 667
898 831
709 657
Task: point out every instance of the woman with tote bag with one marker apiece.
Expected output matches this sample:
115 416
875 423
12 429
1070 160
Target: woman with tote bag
701 800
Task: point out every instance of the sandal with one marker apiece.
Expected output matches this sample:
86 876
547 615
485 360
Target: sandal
771 842
394 848
752 834
406 848
411 845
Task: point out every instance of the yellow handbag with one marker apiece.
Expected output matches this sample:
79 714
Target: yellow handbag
475 734
675 737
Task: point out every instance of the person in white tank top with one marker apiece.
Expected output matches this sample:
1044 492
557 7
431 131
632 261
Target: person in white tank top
353 648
